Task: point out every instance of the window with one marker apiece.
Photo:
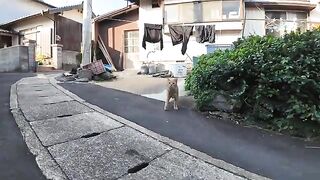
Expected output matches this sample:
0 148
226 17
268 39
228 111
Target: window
178 13
131 42
280 22
230 9
202 11
212 11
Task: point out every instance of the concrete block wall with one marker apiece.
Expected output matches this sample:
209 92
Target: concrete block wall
14 58
69 59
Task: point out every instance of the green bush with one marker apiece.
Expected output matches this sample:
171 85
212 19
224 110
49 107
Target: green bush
277 80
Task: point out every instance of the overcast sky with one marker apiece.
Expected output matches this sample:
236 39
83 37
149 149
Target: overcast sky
99 6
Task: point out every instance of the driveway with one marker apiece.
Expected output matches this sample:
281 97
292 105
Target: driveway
267 154
16 162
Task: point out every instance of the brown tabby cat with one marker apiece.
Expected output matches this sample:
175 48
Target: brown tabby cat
172 92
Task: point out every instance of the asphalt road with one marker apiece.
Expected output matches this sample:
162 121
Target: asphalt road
16 162
270 155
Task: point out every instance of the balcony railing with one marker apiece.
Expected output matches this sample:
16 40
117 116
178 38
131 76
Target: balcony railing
279 27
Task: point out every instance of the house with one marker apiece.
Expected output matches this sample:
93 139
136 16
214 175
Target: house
17 9
120 34
47 25
232 19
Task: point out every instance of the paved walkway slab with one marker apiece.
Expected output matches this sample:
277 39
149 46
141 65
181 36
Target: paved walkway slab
179 166
58 130
108 155
43 99
42 112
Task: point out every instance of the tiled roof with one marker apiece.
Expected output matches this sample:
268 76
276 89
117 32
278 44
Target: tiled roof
116 13
65 8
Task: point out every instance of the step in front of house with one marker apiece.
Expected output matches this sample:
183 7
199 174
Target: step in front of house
45 68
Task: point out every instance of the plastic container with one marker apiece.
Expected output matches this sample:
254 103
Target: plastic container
195 60
210 48
152 68
178 70
144 69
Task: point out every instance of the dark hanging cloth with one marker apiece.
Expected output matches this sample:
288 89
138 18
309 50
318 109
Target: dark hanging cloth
211 33
152 34
205 33
180 34
200 34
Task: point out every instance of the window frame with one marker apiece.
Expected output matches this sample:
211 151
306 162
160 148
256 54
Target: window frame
127 45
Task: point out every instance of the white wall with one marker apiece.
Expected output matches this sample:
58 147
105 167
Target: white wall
75 15
14 9
40 27
256 27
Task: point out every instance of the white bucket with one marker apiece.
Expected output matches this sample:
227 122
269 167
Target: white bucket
178 70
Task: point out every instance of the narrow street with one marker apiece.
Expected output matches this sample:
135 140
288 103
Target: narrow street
267 154
16 162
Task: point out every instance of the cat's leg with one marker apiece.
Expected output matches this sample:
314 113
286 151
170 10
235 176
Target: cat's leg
175 103
166 103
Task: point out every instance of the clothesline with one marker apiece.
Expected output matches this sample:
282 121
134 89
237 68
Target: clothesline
179 35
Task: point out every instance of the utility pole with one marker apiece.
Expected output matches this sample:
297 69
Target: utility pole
86 32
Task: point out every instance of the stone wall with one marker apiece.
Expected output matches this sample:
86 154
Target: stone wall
14 58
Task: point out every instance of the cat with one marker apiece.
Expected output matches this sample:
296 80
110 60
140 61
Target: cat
172 93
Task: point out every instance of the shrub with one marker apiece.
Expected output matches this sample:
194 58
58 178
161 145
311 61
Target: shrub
277 80
43 59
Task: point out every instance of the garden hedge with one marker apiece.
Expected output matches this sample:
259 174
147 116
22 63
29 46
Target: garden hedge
275 79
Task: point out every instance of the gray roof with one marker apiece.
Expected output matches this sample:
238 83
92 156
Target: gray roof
48 11
65 8
44 3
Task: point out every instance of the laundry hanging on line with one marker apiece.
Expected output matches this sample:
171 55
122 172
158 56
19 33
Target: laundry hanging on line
180 34
205 33
152 34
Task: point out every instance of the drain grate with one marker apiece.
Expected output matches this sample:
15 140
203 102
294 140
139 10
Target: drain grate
90 135
138 167
43 96
38 90
65 115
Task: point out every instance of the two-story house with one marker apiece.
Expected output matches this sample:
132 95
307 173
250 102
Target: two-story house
232 19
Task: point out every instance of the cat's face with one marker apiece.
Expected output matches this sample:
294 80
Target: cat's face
172 82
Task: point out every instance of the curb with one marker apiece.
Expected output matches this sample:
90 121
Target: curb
174 144
48 166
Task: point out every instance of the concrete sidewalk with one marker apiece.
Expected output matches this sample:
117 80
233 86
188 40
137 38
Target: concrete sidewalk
72 139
